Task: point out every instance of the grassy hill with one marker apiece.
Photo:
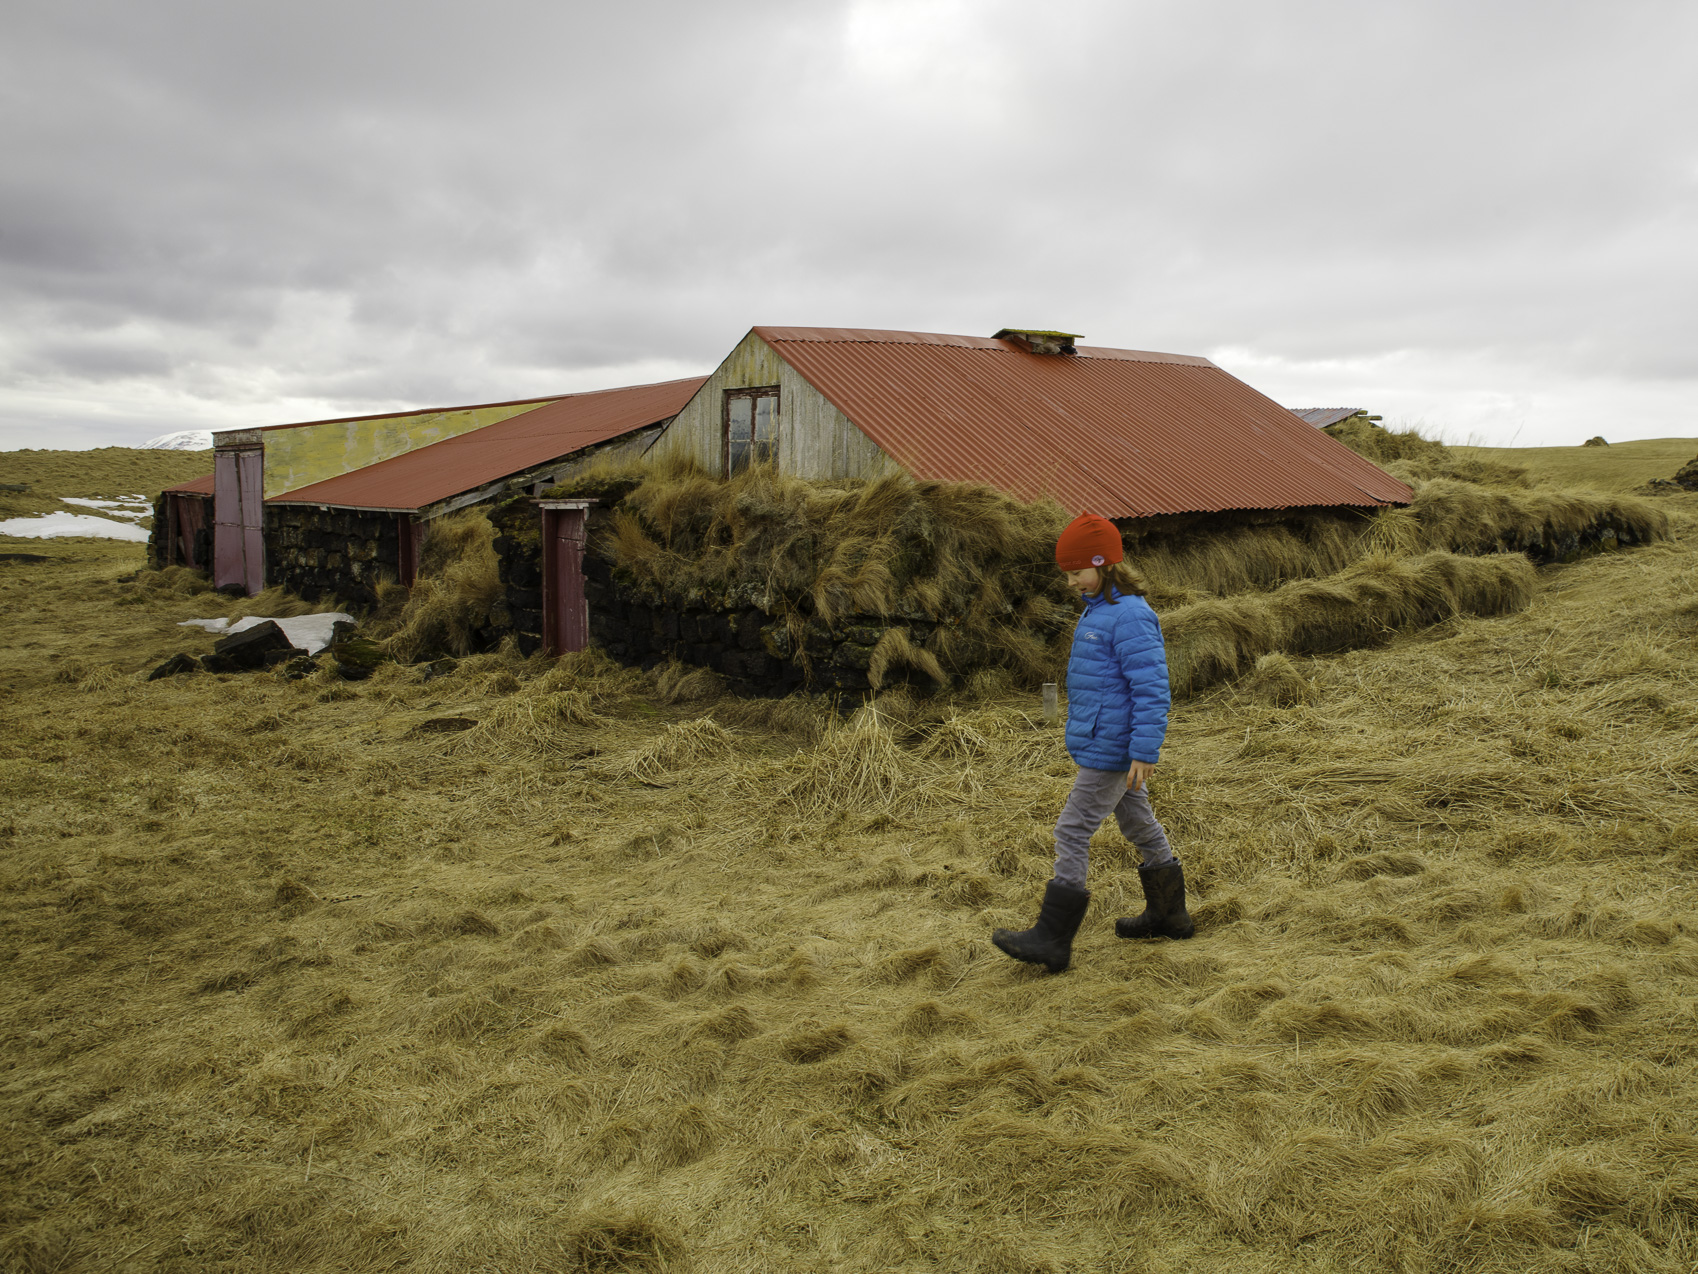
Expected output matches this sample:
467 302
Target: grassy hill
626 975
1621 466
103 473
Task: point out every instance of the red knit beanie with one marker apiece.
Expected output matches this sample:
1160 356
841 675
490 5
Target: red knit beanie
1088 541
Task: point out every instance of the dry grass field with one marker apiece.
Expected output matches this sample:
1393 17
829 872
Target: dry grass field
625 975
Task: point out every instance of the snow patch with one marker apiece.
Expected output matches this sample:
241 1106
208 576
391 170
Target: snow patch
182 440
310 633
51 526
125 506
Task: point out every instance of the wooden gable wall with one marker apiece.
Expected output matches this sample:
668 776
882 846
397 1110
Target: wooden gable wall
815 439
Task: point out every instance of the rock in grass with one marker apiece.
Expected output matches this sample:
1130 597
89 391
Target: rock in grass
1595 442
275 657
218 663
248 649
357 658
178 664
1687 478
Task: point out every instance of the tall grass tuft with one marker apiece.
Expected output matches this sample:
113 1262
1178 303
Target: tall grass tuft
455 595
1215 640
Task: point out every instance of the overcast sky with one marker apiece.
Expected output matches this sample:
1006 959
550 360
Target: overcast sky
1480 215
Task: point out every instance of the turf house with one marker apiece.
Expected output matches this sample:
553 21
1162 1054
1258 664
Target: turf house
844 509
841 507
332 507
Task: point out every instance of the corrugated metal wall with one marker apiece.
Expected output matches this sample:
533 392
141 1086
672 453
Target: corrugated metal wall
815 439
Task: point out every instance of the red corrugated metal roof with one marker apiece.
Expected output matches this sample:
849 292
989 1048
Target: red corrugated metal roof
470 460
1121 433
200 486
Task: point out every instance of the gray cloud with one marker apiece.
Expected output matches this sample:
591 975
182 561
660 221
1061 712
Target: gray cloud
231 213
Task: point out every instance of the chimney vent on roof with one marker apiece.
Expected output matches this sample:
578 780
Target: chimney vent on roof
1034 342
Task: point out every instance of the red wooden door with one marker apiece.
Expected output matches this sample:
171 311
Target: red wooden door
565 611
409 537
192 519
185 516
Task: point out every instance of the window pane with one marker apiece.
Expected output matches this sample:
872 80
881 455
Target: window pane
763 418
739 413
738 456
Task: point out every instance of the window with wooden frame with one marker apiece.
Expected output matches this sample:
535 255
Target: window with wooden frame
751 428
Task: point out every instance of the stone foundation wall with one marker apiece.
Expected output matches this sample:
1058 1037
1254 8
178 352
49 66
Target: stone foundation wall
341 553
734 636
160 535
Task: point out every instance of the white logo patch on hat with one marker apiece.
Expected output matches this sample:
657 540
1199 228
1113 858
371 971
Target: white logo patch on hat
1097 560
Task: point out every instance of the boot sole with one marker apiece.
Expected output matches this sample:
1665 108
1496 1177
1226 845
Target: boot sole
1150 937
1026 959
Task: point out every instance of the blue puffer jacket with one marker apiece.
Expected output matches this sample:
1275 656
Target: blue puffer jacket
1117 693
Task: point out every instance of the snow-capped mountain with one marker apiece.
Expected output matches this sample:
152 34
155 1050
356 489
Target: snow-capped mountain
182 440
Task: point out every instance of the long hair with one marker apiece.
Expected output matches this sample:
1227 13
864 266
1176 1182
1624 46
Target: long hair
1122 578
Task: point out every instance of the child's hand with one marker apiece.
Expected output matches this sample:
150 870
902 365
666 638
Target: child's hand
1139 775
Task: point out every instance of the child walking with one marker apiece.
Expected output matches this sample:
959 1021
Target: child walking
1117 701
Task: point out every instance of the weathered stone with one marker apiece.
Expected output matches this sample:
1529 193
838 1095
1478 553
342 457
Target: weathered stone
175 666
298 667
863 635
1687 477
249 648
218 663
342 630
852 655
275 657
1594 442
775 637
748 629
357 658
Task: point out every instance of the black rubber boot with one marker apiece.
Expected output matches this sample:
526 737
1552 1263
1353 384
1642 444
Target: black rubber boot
1050 941
1164 905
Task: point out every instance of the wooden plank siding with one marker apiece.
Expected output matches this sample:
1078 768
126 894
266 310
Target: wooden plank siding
815 439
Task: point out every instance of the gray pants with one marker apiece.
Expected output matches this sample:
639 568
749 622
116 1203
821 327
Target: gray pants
1095 795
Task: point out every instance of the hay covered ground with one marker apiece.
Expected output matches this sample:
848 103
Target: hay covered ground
553 967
